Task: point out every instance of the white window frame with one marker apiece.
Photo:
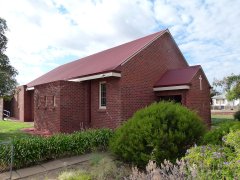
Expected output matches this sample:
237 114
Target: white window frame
100 93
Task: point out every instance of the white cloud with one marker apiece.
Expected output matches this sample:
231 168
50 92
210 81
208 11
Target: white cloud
43 33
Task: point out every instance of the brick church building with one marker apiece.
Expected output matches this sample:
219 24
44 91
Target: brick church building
106 88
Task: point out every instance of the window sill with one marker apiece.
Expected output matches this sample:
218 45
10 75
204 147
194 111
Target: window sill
102 110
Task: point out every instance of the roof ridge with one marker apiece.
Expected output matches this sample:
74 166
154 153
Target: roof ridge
85 57
158 34
189 67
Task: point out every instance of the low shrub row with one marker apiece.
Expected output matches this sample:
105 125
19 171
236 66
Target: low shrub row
32 150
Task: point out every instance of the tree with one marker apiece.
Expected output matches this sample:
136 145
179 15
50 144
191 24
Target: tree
7 72
231 84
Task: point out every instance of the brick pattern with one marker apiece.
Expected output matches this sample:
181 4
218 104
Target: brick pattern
109 117
46 116
199 100
143 70
21 105
71 110
74 106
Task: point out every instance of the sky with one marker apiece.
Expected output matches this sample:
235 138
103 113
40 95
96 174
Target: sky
44 34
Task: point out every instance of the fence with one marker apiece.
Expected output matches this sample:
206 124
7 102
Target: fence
6 113
6 157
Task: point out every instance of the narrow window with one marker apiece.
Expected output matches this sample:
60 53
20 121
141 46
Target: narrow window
102 95
45 100
54 101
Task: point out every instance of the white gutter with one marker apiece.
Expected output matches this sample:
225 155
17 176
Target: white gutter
171 88
97 76
30 88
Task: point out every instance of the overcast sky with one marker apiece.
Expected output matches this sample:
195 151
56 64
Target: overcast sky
44 34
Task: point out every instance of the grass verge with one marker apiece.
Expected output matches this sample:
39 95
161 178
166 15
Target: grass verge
10 129
217 119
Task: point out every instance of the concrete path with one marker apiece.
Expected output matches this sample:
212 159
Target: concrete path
45 167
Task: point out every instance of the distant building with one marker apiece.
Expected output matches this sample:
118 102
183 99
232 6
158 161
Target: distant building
221 102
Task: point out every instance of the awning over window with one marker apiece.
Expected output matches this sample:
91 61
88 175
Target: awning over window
176 79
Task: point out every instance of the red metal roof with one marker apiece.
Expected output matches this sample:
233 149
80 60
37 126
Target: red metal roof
105 61
175 77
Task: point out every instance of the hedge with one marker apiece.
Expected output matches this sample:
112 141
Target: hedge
33 150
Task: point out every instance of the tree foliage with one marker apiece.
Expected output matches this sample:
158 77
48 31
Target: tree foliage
7 72
231 84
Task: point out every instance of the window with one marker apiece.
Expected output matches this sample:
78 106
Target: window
102 95
220 101
174 98
54 101
45 100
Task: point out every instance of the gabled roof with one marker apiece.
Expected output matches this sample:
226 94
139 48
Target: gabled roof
176 77
105 61
221 96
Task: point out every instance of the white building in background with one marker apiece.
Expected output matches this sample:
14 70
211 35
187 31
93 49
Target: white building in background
221 102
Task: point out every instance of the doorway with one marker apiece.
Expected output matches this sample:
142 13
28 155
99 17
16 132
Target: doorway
174 98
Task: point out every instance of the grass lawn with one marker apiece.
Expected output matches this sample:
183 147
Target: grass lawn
10 129
216 119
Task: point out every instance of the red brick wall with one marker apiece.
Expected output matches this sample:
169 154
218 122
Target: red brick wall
109 117
28 105
46 116
74 106
71 112
15 104
143 70
199 100
21 107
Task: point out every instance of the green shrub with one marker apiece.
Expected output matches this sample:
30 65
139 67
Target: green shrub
237 115
32 150
215 135
161 131
215 161
233 140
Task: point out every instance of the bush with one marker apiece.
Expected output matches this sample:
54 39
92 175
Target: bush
215 161
215 135
32 150
233 140
161 131
237 115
